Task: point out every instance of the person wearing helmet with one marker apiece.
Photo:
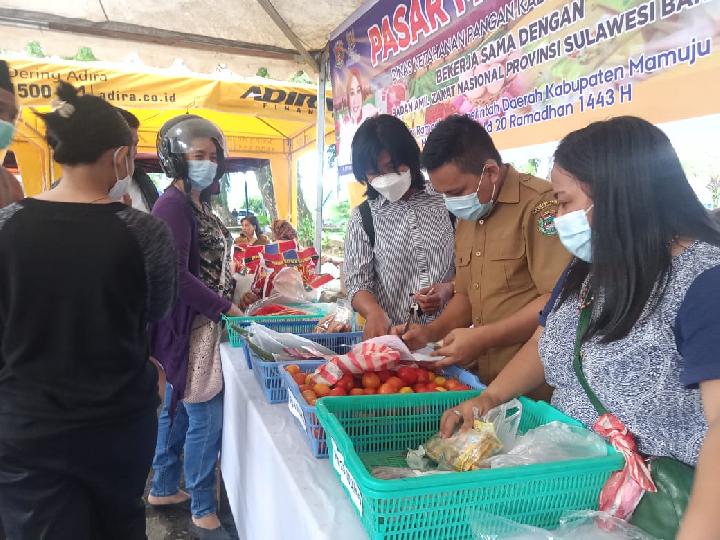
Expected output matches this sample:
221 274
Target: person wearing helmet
192 152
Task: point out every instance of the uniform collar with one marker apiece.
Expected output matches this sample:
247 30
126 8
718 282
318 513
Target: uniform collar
510 191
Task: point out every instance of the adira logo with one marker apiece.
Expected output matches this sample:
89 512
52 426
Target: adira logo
279 97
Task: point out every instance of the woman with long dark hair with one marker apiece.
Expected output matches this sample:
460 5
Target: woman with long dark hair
646 282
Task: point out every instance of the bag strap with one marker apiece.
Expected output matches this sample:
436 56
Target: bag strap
583 324
367 222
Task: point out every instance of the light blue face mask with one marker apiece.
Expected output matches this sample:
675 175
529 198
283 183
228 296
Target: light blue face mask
201 173
7 131
469 207
575 233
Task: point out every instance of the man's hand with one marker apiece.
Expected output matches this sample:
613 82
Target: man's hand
416 337
432 299
127 200
377 324
461 346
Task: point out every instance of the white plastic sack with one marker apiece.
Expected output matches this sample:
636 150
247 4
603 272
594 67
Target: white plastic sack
584 525
550 442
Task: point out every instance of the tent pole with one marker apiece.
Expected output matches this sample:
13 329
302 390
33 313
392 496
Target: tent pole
320 142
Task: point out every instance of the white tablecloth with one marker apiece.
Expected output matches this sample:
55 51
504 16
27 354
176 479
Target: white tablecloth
276 488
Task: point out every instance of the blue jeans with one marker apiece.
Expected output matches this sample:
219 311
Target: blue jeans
198 428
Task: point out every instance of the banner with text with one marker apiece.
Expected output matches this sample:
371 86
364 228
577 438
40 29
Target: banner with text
35 84
529 70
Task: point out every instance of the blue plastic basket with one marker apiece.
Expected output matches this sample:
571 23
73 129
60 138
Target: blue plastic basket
267 374
295 324
308 420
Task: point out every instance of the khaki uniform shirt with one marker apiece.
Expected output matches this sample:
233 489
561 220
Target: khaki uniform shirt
508 259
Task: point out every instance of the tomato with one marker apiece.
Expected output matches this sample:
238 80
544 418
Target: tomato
420 388
321 390
430 387
357 392
370 391
309 396
299 378
304 387
309 380
406 390
346 382
338 391
440 381
312 402
371 380
387 388
395 382
462 387
292 369
440 389
452 384
384 375
423 376
408 374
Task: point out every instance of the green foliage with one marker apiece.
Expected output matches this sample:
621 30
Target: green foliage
85 54
33 48
306 231
531 166
340 214
257 207
301 77
331 153
263 72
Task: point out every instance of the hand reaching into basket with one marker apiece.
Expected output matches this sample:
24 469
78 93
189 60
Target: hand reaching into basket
466 413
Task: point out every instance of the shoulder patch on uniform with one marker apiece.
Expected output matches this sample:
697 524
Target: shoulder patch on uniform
544 213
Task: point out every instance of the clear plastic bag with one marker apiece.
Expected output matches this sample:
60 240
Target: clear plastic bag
281 346
584 524
550 442
464 450
340 320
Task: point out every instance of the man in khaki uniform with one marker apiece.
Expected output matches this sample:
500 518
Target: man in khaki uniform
508 256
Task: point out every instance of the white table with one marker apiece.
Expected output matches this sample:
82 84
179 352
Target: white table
276 488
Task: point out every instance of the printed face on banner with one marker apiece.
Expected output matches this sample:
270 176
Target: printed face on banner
529 71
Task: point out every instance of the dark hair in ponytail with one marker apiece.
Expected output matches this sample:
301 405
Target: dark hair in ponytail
83 127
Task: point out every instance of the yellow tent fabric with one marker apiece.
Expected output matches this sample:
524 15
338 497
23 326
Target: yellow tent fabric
260 118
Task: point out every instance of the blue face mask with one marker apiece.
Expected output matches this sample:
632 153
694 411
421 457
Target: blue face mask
7 130
575 233
469 207
201 173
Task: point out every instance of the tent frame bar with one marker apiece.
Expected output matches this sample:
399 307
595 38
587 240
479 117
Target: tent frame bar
289 34
143 34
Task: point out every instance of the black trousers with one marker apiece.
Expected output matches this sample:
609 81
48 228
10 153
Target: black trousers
83 484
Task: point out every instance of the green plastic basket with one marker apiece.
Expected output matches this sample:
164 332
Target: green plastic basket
368 431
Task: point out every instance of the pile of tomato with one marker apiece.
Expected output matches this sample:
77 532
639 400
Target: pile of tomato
405 380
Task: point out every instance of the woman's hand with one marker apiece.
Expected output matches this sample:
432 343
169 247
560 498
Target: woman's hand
466 413
248 299
234 311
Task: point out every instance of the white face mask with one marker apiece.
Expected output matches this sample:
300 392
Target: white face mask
392 186
202 173
575 233
120 189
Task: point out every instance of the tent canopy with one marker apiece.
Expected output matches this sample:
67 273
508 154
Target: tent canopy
261 119
282 35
